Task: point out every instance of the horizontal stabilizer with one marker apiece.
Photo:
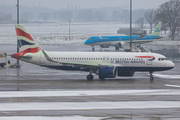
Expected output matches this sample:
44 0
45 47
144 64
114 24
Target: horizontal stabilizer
19 57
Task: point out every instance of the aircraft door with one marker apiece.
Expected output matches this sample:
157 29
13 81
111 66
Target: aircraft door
149 59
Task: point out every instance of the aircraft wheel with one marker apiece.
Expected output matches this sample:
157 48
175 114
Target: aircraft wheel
90 77
92 48
151 78
117 48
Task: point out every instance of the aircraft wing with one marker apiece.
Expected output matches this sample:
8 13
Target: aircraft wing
76 63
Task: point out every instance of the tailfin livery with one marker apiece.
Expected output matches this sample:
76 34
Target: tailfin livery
25 41
157 30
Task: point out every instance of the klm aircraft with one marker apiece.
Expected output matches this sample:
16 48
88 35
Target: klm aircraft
124 41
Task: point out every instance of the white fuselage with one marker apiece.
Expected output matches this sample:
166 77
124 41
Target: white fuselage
149 61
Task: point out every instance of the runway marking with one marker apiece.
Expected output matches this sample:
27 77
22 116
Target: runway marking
88 105
12 94
172 85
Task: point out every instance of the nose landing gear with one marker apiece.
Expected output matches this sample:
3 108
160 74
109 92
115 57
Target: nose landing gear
151 76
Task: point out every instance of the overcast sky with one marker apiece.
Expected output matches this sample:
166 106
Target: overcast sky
56 4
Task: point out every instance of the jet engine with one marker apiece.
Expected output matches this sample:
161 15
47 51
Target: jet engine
108 72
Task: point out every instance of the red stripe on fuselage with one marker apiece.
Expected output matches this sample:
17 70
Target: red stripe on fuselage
20 32
145 56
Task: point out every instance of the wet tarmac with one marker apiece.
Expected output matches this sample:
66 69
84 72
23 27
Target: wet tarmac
33 91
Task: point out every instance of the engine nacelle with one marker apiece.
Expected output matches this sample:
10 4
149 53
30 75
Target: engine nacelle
108 72
105 46
126 73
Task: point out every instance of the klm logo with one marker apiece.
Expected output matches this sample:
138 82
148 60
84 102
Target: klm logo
157 30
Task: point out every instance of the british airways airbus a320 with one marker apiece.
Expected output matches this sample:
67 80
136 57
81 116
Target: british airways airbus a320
103 64
123 41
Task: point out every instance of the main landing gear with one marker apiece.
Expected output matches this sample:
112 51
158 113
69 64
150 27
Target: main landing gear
92 70
90 77
151 76
116 48
93 48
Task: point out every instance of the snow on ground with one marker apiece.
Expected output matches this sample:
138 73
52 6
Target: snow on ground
11 94
165 43
22 106
167 76
50 118
58 33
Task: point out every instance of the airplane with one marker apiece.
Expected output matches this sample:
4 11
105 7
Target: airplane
124 41
103 64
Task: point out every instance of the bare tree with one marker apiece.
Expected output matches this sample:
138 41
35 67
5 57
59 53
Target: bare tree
149 16
169 13
140 23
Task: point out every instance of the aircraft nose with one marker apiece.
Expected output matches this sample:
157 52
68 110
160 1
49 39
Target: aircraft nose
171 64
86 42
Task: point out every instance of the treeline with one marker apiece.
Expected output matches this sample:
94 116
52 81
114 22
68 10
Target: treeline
168 13
38 13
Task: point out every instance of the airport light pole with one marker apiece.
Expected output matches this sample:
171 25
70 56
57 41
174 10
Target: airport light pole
69 30
130 25
17 23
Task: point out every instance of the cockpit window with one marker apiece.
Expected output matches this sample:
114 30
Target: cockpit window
162 59
90 39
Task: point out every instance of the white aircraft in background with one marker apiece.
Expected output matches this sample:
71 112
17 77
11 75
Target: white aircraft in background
104 64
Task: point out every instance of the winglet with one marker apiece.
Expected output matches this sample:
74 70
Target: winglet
157 30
